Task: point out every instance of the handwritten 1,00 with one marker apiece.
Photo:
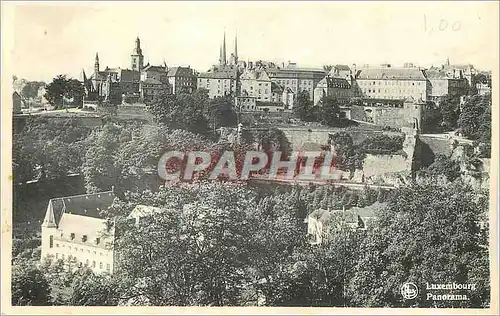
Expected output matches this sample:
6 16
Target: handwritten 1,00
442 26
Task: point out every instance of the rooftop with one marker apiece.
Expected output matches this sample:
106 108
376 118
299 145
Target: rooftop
392 73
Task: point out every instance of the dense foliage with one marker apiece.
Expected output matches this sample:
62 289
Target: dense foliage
63 91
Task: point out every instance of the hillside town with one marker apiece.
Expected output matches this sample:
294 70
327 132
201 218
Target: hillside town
96 223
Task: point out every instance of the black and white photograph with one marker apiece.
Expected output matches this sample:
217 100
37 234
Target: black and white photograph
250 157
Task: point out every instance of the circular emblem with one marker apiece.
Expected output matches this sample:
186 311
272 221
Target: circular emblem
409 290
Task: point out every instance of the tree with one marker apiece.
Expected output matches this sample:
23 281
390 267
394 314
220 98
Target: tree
29 285
48 149
99 165
89 289
328 111
273 139
62 88
30 90
222 112
184 111
194 250
475 119
449 107
427 234
444 166
302 106
127 156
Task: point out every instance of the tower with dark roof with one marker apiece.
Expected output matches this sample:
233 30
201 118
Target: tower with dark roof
137 58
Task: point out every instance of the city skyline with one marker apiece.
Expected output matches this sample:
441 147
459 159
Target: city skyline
191 34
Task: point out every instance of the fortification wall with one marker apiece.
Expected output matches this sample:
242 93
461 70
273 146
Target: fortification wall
388 116
376 165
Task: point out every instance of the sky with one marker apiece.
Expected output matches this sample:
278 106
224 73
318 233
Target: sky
48 39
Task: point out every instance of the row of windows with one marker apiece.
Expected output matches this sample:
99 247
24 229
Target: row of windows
389 91
87 262
388 83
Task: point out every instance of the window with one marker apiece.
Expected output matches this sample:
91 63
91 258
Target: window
84 238
87 262
97 240
108 267
57 245
62 256
93 264
51 241
57 255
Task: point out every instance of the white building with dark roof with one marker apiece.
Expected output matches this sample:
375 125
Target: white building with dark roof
393 83
73 230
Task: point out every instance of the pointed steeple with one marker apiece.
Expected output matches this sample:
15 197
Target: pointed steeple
49 220
220 55
224 59
236 47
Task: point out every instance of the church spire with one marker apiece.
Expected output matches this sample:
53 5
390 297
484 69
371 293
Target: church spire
236 47
224 59
220 54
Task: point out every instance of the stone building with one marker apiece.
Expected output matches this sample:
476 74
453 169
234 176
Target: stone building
388 83
443 83
222 79
338 88
181 80
321 222
74 231
296 79
110 84
256 83
153 82
245 103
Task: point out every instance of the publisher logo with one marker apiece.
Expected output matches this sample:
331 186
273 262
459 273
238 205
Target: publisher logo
409 291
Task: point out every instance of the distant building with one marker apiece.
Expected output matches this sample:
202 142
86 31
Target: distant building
110 84
74 231
245 103
338 88
321 222
16 103
445 84
143 211
393 83
222 79
181 80
256 83
154 81
483 88
297 79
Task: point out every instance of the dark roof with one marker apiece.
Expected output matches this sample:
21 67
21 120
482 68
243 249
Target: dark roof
84 205
221 72
392 73
436 74
333 82
152 81
124 75
295 72
180 72
276 87
342 67
155 68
